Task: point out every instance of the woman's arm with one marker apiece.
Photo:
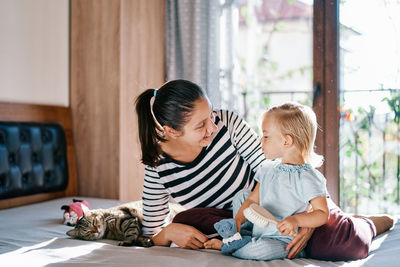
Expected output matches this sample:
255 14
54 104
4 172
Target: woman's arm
155 203
155 210
184 236
244 138
254 197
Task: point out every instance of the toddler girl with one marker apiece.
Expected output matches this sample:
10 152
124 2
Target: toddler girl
287 186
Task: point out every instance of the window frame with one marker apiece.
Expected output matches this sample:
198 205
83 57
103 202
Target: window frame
326 79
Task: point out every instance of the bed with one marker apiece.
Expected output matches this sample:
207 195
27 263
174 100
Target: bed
35 234
32 233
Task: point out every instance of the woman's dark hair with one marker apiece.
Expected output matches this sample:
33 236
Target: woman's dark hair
173 103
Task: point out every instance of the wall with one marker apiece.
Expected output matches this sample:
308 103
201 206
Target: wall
142 67
34 51
117 51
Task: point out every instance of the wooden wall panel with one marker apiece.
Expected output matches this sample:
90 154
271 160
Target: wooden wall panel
117 50
142 67
95 88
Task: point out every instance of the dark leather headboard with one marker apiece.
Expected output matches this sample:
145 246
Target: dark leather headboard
33 158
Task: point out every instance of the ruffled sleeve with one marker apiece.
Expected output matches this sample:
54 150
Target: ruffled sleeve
313 184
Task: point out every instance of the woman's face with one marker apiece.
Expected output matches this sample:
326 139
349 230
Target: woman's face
272 141
200 127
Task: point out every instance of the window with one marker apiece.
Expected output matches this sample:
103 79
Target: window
279 52
346 65
369 94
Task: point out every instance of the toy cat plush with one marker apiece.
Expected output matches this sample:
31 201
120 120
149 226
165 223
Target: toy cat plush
232 240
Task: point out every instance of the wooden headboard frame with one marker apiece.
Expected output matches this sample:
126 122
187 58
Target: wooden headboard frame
42 113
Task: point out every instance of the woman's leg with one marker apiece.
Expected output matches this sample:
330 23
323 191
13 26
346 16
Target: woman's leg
345 237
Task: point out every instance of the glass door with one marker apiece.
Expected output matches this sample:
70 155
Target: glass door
369 105
274 51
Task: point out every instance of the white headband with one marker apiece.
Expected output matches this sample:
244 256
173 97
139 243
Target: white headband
159 127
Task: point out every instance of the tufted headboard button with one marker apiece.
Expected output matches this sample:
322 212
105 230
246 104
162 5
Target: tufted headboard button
25 178
46 136
12 158
24 136
35 157
3 179
3 137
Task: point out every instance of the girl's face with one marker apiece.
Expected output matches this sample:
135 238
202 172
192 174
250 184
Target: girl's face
199 129
272 141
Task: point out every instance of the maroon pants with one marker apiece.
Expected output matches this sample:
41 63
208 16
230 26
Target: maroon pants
343 237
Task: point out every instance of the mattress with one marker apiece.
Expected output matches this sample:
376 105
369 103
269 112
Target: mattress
33 235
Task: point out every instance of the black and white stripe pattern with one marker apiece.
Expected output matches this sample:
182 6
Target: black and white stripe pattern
223 168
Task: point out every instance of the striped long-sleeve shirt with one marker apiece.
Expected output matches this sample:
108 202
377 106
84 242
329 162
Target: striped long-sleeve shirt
224 167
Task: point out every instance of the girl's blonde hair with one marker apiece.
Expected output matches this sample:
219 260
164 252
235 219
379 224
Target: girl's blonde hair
300 122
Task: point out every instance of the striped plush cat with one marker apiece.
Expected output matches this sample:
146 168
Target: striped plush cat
121 223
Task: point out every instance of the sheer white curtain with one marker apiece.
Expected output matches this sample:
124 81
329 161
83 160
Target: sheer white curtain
229 24
199 47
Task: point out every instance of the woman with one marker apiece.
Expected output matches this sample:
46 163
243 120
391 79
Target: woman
195 156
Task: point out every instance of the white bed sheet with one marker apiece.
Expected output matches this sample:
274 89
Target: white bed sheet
34 235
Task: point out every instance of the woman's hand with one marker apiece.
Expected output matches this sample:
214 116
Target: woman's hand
185 236
299 242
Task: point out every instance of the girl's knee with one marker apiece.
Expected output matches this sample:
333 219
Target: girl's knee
262 249
260 255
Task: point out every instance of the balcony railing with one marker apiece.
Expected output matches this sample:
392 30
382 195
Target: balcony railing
370 152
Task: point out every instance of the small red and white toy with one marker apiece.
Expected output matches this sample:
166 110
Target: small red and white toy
74 211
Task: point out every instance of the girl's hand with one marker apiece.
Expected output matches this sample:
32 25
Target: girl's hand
299 242
185 236
288 226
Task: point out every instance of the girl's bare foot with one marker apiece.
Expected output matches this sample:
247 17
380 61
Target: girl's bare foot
213 244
